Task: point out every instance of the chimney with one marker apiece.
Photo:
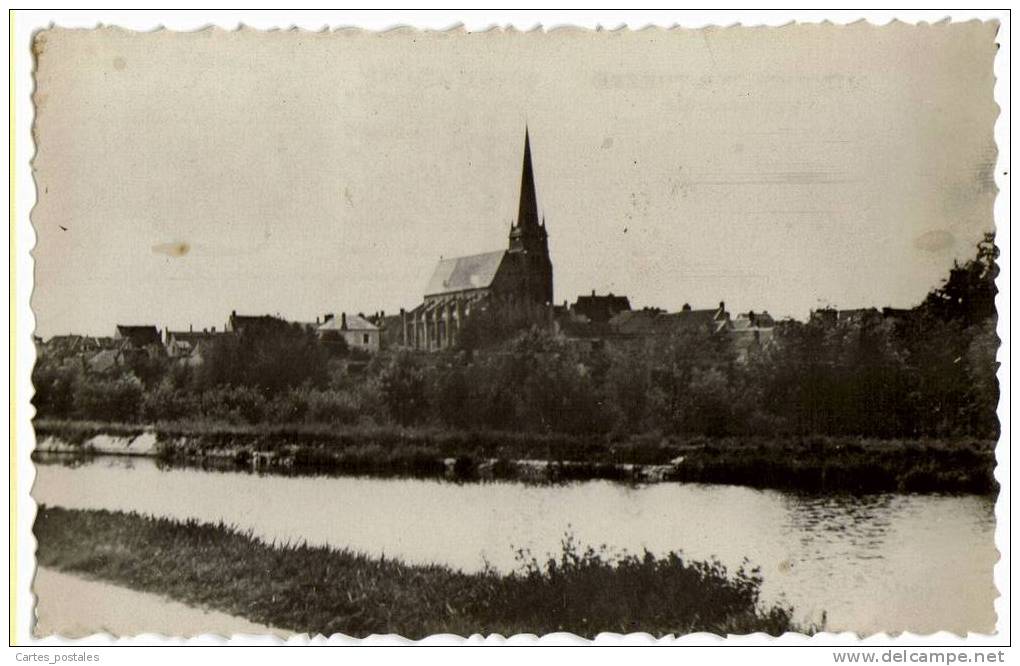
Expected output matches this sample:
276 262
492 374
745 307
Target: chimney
343 321
722 306
316 320
205 330
382 314
213 329
191 328
687 307
593 293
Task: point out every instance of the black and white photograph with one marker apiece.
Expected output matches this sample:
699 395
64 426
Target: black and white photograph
664 331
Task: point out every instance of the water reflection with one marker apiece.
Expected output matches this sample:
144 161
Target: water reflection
878 562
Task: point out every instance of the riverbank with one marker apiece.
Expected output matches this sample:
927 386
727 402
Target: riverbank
799 463
324 590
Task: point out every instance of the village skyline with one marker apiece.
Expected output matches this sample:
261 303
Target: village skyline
182 322
683 169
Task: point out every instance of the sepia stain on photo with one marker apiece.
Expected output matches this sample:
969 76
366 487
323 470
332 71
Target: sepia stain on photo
415 333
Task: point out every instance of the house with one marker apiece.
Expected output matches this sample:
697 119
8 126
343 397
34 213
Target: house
72 345
135 341
755 319
824 316
105 361
751 333
357 331
191 346
391 329
832 316
239 323
520 277
636 323
710 320
859 315
137 337
600 308
105 341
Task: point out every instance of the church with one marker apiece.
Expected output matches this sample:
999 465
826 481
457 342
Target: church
518 276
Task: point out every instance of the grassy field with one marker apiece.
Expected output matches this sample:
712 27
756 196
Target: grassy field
324 590
799 463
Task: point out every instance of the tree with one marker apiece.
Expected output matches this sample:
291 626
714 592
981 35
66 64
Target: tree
272 357
55 383
684 359
496 322
403 389
950 343
968 294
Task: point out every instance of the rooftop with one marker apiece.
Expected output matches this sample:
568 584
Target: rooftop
476 271
348 323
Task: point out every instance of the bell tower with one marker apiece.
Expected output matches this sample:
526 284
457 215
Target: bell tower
529 241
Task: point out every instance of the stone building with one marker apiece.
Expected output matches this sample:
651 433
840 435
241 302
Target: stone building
520 276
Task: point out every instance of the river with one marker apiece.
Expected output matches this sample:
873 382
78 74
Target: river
888 562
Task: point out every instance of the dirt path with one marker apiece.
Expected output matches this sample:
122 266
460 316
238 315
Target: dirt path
74 607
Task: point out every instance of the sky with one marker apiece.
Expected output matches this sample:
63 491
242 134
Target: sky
182 176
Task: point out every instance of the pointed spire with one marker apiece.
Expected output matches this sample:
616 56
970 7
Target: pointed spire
527 214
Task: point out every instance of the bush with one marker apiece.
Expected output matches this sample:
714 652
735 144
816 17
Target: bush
167 402
334 406
233 404
55 384
117 399
452 397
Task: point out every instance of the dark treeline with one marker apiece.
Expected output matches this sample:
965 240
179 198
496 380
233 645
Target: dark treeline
930 372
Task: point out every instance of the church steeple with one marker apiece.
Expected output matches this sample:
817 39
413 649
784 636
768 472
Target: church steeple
527 214
529 241
526 234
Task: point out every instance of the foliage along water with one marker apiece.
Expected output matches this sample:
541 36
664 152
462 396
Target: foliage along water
887 562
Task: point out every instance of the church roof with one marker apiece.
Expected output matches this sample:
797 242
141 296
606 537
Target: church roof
463 273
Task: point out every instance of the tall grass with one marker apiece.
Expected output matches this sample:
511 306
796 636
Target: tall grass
326 590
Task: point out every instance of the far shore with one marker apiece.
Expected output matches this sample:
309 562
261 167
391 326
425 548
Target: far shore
813 463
